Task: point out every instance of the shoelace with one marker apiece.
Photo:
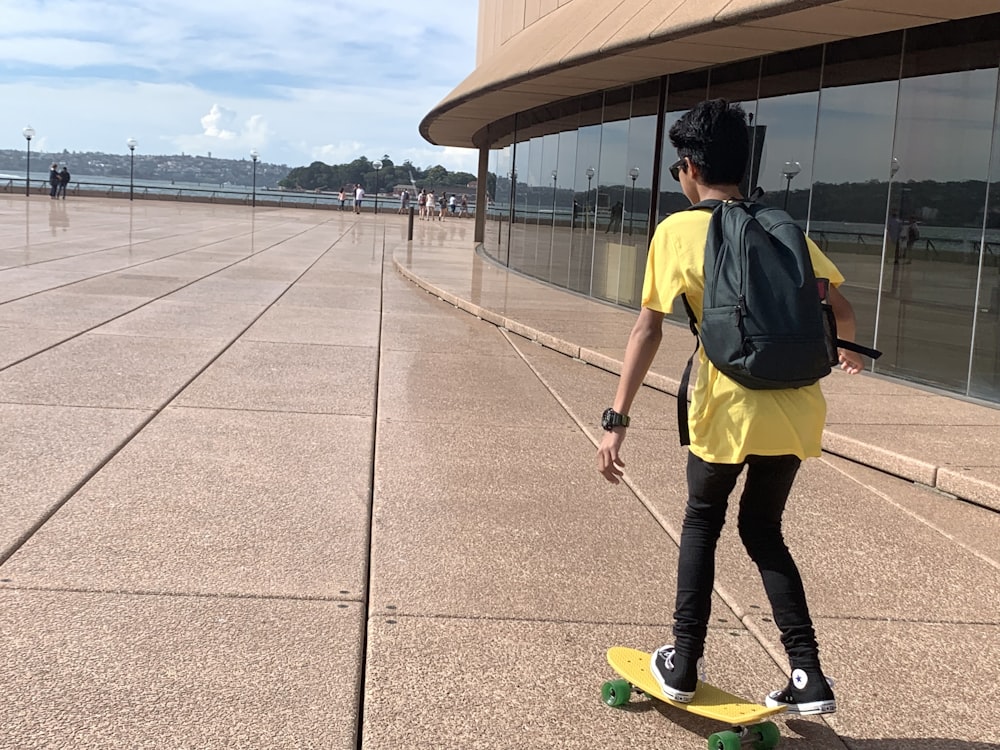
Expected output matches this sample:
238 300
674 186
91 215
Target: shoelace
668 658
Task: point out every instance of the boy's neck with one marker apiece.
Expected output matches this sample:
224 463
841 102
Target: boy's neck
718 192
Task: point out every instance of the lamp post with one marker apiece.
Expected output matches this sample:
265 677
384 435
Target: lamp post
789 171
633 173
378 168
586 209
132 143
254 155
29 133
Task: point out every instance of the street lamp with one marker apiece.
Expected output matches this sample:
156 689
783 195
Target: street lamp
255 155
586 209
29 133
633 173
378 167
132 143
894 167
789 171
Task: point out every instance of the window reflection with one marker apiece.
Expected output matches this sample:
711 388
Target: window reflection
926 305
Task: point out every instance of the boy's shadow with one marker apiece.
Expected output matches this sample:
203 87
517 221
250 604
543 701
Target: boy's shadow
800 734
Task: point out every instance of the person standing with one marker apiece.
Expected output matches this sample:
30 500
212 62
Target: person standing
421 203
53 180
404 202
64 178
768 432
464 207
342 197
359 195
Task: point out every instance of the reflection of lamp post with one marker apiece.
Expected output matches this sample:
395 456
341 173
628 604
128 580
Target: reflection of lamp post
586 210
29 133
555 176
633 173
132 143
378 167
894 167
789 171
255 155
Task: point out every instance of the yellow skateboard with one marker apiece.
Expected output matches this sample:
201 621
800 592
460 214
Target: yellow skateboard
744 717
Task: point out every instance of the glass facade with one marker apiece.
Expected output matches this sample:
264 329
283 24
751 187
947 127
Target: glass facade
885 149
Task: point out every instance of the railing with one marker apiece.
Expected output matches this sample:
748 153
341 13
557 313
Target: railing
233 195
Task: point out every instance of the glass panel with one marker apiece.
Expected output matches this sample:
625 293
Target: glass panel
588 158
547 205
785 129
944 129
568 212
610 196
519 175
851 170
503 201
984 375
641 147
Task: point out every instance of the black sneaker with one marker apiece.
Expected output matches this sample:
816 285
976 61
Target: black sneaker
676 675
806 693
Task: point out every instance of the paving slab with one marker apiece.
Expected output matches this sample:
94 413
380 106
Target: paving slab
328 326
166 318
510 684
128 372
481 523
47 451
287 377
216 502
177 671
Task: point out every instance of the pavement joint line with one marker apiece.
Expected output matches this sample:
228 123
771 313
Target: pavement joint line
78 334
47 515
362 677
274 411
531 620
180 594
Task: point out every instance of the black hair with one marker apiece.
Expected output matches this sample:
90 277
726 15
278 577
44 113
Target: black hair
714 136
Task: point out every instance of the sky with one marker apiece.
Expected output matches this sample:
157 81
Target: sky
297 80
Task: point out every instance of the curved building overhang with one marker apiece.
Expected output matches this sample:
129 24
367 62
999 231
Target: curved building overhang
587 46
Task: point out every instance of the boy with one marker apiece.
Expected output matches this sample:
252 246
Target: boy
768 431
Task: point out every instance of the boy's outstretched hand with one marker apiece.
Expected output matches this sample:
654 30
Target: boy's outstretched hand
850 362
609 463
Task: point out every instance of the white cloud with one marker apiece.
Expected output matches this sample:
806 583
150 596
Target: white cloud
215 121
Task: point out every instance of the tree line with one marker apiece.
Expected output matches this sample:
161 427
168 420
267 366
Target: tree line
319 176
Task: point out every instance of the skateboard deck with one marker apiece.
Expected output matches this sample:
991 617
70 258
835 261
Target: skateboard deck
744 716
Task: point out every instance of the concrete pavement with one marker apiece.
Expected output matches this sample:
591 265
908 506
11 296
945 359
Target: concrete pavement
261 490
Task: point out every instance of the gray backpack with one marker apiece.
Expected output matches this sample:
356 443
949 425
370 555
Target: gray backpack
765 321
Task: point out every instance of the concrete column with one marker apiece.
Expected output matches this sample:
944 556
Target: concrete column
479 231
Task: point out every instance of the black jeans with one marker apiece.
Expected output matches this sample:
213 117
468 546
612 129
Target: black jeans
769 480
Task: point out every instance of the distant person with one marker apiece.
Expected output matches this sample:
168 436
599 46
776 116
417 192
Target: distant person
342 197
404 202
431 205
54 181
452 204
895 229
63 182
912 235
359 195
442 206
615 220
421 203
463 207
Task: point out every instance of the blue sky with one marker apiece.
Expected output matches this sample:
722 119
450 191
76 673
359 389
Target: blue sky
299 80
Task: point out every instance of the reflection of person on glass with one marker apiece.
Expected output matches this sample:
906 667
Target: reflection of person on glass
912 235
895 229
615 219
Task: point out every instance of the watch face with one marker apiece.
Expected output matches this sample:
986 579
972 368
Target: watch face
608 419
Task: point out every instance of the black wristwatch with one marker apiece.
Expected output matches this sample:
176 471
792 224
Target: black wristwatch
611 419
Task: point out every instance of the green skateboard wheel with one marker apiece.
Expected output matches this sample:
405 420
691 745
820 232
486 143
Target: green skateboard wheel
769 735
616 692
725 741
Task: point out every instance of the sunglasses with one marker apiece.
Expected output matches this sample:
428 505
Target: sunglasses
676 167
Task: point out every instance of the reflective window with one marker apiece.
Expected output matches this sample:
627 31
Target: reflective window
944 127
568 215
588 157
852 167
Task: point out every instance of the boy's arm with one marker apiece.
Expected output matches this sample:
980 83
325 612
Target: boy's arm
850 362
643 343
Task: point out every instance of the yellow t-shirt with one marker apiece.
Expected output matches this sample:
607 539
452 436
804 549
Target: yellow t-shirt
727 421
